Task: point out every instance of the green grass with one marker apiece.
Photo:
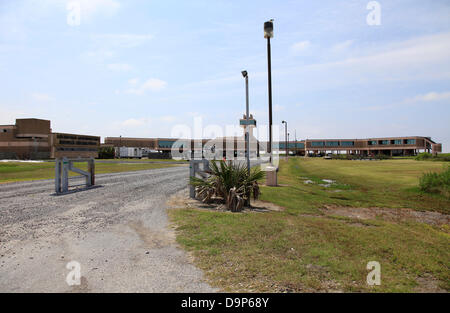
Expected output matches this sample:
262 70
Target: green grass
143 160
300 249
17 171
387 183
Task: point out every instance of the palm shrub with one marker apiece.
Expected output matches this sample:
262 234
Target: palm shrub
230 183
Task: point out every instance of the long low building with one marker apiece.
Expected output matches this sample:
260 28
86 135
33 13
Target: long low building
32 138
393 146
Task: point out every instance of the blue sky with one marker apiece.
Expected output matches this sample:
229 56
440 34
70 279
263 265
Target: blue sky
137 68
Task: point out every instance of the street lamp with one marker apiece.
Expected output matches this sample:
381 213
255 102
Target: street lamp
268 33
285 137
247 134
287 152
120 144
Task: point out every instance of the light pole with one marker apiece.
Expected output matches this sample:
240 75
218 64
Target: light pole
268 33
287 152
120 144
247 134
295 144
285 137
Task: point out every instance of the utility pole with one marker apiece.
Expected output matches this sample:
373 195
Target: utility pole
247 126
286 141
268 33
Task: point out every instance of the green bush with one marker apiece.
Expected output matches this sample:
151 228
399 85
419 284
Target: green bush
436 182
424 156
444 157
106 153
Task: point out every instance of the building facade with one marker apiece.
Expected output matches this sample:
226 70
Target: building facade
27 139
32 138
391 146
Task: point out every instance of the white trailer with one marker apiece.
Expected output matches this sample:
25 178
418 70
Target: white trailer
128 152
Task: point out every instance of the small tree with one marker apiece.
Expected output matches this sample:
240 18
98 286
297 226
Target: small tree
230 183
106 153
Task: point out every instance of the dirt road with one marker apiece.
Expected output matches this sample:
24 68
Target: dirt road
118 233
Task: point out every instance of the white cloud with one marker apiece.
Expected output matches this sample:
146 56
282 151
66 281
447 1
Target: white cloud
90 8
98 55
300 46
342 46
121 40
133 81
168 118
152 84
132 122
42 97
420 58
433 96
429 97
120 67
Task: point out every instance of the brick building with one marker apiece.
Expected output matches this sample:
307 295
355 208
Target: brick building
32 138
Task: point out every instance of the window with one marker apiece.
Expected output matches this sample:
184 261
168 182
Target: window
165 143
317 144
410 141
397 142
384 142
332 143
372 143
347 143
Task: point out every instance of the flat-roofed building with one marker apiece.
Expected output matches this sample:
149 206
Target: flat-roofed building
392 146
32 138
27 139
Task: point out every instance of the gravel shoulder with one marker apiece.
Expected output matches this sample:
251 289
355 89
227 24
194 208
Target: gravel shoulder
118 233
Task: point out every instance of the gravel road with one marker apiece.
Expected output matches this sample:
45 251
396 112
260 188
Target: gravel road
117 232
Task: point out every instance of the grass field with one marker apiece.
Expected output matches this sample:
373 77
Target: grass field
143 160
15 171
302 249
388 183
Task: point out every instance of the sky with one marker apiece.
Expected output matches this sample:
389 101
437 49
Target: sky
138 68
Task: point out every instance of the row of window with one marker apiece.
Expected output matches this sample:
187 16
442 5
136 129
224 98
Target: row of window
370 143
75 137
291 145
81 143
76 149
393 142
332 143
169 144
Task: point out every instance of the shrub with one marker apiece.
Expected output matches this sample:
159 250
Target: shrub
424 156
436 182
230 183
444 157
106 153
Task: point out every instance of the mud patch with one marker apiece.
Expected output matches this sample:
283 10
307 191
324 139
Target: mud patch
152 239
391 215
427 284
